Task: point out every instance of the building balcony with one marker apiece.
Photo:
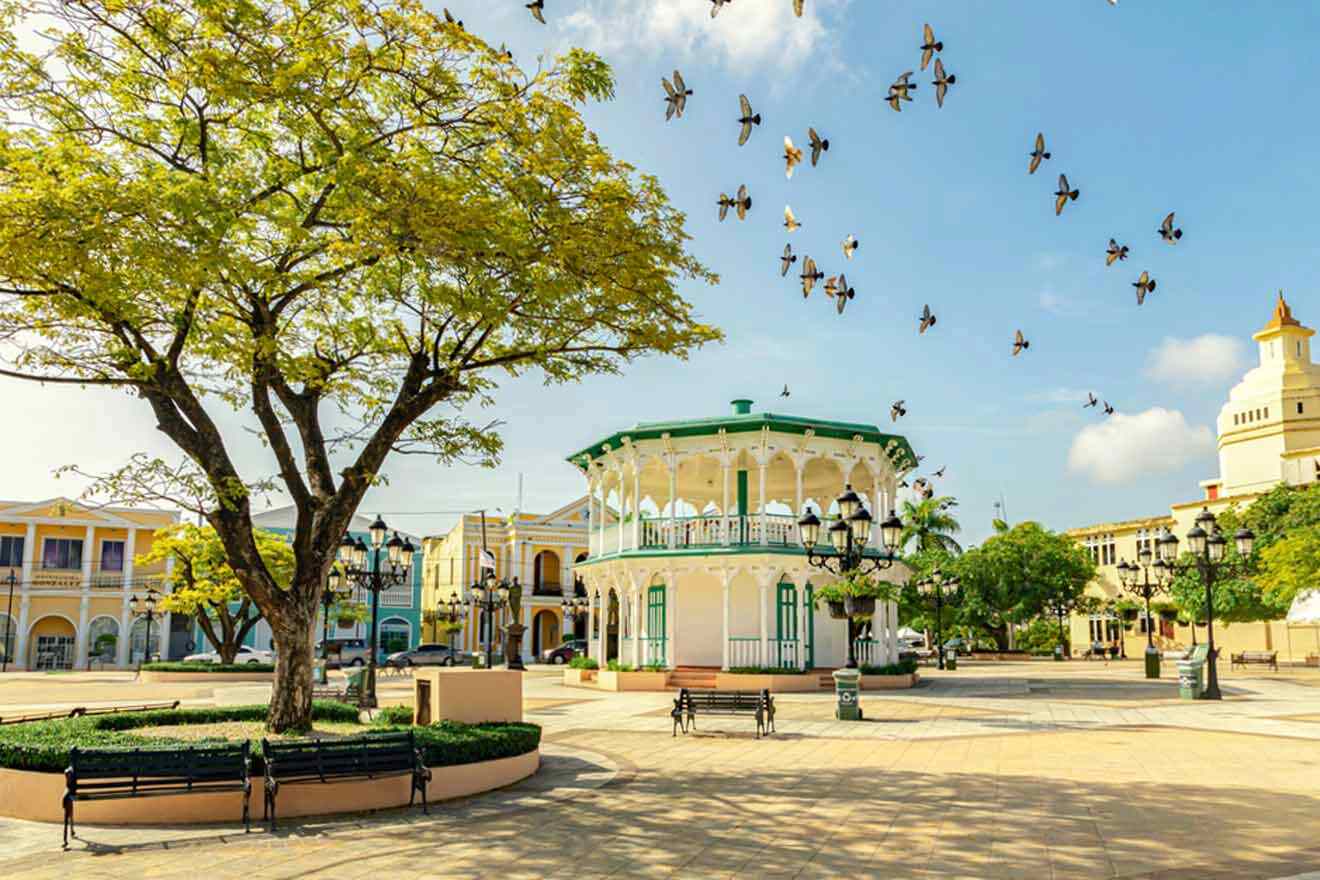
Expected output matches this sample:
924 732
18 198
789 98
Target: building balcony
100 579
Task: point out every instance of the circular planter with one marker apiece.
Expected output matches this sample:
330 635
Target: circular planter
155 677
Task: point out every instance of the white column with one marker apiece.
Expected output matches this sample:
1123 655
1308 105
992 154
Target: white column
592 516
80 639
89 548
673 502
527 633
764 537
797 487
893 632
623 506
802 618
637 510
636 609
123 657
879 514
724 470
20 649
765 621
29 553
643 618
130 551
671 624
724 643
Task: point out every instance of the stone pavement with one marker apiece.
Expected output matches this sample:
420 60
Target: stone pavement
1010 770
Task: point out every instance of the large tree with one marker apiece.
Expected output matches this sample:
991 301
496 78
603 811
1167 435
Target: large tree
928 526
344 218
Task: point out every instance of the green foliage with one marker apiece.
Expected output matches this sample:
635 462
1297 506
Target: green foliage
857 585
616 666
1290 566
766 670
928 525
917 610
902 667
583 662
449 743
216 668
1040 636
393 716
654 667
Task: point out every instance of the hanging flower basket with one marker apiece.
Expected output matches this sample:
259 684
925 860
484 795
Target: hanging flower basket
1168 615
346 622
862 606
836 610
1130 613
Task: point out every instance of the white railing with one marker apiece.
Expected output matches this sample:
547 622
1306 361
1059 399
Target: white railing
744 652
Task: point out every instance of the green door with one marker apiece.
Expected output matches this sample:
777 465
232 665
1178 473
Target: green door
808 637
656 648
786 626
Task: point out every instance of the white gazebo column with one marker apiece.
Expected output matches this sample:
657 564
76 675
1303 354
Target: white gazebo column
604 515
724 629
802 618
636 608
725 525
879 514
672 462
765 538
798 466
765 619
671 622
623 506
637 506
893 632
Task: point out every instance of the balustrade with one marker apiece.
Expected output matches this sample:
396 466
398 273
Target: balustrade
745 652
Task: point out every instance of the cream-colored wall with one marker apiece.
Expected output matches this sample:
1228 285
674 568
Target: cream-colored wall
700 616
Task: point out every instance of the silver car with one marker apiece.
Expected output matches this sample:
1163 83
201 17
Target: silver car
429 655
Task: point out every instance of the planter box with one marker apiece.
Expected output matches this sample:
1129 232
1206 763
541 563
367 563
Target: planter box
580 677
889 682
630 681
38 797
776 684
468 695
152 677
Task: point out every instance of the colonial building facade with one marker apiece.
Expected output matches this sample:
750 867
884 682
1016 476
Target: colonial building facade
703 566
68 575
1268 433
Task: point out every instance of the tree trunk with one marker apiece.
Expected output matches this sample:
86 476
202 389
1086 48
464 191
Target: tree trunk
291 697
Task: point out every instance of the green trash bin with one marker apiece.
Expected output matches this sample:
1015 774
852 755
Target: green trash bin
847 705
358 679
951 658
1191 674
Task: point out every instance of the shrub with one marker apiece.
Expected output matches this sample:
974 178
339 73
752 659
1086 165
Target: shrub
766 670
198 666
902 667
580 662
394 716
447 743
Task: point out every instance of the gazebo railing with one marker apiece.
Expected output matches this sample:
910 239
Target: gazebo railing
869 652
745 652
708 531
653 651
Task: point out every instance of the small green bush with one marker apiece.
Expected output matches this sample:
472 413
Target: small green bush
655 667
196 666
448 743
394 716
616 666
902 667
766 670
580 662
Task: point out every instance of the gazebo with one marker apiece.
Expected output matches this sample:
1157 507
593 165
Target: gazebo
695 560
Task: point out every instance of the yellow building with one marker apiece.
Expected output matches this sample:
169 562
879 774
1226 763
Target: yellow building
67 578
1268 433
538 550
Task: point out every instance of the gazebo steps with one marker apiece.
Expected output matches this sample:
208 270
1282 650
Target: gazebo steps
696 679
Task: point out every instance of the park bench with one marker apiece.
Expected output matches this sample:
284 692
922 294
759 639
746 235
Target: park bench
758 704
115 774
373 756
350 693
1258 658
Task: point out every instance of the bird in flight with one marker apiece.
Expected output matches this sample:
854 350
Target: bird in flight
810 275
718 5
840 291
939 474
818 145
942 82
1109 410
897 410
1144 285
787 260
1090 400
676 96
1020 344
792 156
1115 251
1167 232
790 222
784 393
747 119
929 45
1037 154
850 246
899 91
927 320
741 203
449 19
1063 194
537 7
798 6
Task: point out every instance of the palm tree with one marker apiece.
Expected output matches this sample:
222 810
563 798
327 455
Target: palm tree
928 525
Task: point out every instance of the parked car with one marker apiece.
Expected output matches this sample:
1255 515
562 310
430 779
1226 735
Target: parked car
565 652
429 655
346 652
245 655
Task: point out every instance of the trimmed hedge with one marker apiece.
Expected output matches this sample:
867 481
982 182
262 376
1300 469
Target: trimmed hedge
902 667
581 662
447 743
197 666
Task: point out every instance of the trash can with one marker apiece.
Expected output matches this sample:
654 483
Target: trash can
1191 674
951 659
1152 662
318 671
1058 652
357 679
847 706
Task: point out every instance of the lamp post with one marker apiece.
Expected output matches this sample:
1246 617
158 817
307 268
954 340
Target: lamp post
9 623
848 537
942 592
335 591
573 609
1207 545
353 558
1145 588
450 612
145 607
489 596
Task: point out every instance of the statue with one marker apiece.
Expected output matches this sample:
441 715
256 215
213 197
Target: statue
515 630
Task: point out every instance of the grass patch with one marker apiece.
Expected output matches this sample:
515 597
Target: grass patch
197 666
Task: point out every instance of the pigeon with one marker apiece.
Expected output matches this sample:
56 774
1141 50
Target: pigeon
792 156
942 82
743 202
818 145
939 474
1037 154
929 45
798 6
920 459
897 410
784 393
787 260
1020 343
725 204
927 320
505 52
841 292
1109 410
948 503
923 487
899 91
449 19
1167 232
1090 400
810 275
536 7
850 246
1063 194
1115 251
676 96
902 484
1144 285
790 222
748 118
831 286
718 5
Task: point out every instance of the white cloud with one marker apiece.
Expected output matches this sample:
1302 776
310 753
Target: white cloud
1210 359
1123 447
751 33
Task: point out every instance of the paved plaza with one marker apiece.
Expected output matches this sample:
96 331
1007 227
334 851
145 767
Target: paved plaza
1029 770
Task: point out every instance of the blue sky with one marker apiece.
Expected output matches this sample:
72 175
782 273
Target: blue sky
1148 107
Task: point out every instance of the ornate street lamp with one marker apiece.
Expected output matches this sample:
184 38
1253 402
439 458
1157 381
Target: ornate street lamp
1155 578
336 590
450 612
940 591
9 633
1208 546
353 559
145 607
848 538
487 597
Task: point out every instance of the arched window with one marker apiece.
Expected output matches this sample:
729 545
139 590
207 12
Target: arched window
8 638
103 640
137 639
395 635
545 570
